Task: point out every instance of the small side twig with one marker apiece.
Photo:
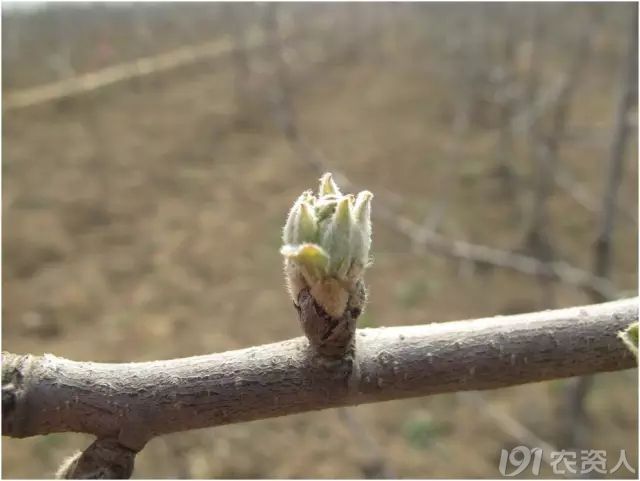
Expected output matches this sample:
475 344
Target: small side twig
105 458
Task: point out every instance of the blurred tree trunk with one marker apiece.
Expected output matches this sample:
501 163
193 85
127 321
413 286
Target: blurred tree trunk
505 170
546 145
280 95
615 163
238 26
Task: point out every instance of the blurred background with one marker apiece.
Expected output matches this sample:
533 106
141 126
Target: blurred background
143 202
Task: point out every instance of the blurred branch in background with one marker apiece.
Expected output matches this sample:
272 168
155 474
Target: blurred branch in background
375 464
239 51
142 67
512 427
567 181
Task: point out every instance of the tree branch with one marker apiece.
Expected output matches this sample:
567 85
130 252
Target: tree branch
505 259
138 68
133 402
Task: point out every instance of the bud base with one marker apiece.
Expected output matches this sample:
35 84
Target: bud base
329 337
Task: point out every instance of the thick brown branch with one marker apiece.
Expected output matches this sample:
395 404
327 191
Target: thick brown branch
133 402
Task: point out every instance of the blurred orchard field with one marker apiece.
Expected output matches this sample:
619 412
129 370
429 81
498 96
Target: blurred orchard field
142 219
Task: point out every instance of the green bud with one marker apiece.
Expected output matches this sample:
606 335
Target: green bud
294 231
361 239
289 231
326 243
337 241
328 186
362 209
325 207
307 223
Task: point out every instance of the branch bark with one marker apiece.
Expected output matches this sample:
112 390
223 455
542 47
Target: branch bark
134 402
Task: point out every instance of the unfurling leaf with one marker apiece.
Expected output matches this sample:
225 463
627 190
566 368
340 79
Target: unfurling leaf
311 258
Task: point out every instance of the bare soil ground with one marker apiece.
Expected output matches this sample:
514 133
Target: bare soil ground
144 222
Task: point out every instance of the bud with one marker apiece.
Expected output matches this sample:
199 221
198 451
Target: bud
307 223
326 247
301 225
362 233
328 186
336 238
